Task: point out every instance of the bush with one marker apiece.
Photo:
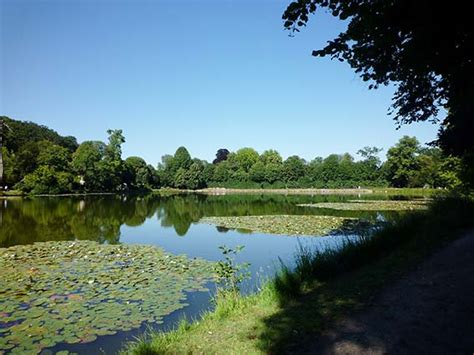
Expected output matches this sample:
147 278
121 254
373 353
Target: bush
46 180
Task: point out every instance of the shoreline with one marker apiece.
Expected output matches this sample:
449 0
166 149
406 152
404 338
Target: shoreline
232 191
23 195
297 306
236 191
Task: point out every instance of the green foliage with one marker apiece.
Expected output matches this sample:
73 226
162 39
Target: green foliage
182 159
139 175
290 225
334 281
94 289
222 172
113 150
165 171
208 172
240 175
257 172
112 167
94 166
86 164
25 159
194 176
21 133
221 155
446 216
229 273
9 163
408 165
245 158
271 157
273 172
173 171
53 155
293 168
371 205
47 180
432 69
403 162
369 167
38 160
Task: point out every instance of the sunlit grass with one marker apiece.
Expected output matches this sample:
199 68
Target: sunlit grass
299 303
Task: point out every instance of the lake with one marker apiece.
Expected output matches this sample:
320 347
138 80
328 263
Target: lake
171 223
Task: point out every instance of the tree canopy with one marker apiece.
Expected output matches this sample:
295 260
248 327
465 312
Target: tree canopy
45 167
39 160
221 155
424 48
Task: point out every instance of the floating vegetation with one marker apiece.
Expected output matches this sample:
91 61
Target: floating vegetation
371 205
289 224
73 292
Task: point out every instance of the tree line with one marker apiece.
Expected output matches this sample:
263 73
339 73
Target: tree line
38 160
408 164
431 69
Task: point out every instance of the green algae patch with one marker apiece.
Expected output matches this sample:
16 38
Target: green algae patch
73 292
292 225
371 205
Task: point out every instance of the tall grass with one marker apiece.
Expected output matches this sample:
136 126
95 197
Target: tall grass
413 236
422 229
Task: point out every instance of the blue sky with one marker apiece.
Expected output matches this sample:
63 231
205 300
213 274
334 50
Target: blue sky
203 74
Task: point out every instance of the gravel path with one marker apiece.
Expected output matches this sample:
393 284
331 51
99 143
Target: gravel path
429 311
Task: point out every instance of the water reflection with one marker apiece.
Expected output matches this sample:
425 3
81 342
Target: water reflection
171 223
100 218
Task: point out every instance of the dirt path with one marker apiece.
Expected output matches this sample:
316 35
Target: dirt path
430 311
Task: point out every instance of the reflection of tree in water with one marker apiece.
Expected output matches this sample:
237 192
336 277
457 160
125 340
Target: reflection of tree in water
93 218
25 221
141 209
99 218
179 212
222 229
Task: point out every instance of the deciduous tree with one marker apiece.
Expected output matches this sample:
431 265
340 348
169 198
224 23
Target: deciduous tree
426 49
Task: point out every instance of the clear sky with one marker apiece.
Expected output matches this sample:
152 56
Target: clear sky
205 74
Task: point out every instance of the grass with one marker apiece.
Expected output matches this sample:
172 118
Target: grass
11 193
284 191
297 304
170 191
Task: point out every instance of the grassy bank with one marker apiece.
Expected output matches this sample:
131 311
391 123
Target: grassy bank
298 304
303 191
288 191
406 191
11 193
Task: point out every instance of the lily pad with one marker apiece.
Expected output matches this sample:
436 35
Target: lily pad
48 298
372 205
289 224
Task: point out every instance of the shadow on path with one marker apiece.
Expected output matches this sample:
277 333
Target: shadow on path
428 311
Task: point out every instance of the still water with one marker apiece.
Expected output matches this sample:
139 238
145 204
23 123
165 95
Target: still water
172 223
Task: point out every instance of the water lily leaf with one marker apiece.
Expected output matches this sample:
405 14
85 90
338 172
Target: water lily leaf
295 225
372 205
71 292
